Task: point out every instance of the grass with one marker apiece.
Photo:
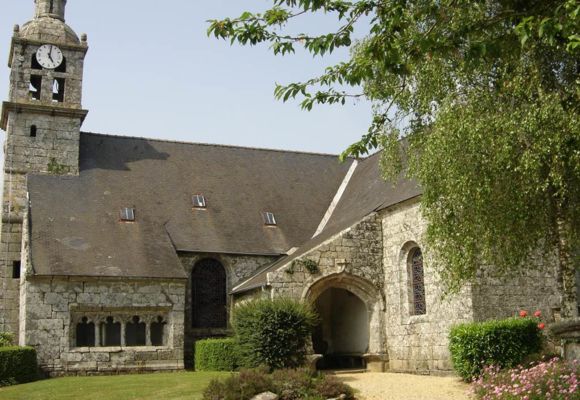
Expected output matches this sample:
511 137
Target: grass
172 386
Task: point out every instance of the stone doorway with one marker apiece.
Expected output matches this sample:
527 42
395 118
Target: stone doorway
342 338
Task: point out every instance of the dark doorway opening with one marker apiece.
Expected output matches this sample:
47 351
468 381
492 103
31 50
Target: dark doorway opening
342 338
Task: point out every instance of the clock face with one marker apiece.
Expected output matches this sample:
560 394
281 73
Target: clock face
49 56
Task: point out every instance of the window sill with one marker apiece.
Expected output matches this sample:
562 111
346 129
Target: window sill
418 319
118 349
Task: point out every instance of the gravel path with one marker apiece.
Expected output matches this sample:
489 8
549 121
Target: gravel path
374 386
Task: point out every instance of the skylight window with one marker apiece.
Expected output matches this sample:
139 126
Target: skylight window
269 218
198 201
127 214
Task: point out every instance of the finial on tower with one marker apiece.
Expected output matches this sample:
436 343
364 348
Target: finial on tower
50 8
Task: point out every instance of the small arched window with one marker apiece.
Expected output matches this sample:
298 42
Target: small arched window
157 332
208 295
417 275
85 333
135 332
111 333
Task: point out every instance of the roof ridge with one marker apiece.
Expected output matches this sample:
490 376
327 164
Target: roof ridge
214 145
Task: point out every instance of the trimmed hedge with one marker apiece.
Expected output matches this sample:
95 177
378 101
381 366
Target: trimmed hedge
17 365
273 333
216 355
504 343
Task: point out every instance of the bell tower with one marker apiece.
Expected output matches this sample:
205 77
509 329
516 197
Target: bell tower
42 119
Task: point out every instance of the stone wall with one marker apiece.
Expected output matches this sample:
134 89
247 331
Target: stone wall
533 288
416 342
238 268
350 260
356 251
52 306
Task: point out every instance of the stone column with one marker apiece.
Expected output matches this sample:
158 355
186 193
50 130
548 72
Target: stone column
148 333
123 326
97 334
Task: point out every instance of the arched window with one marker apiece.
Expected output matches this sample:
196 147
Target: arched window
135 332
417 275
157 332
85 333
208 295
111 333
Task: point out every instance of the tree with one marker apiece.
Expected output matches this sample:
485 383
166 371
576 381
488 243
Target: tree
485 94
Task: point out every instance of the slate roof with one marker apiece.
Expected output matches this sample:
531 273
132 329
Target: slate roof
75 226
365 193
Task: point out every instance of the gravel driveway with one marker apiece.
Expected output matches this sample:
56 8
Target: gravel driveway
388 386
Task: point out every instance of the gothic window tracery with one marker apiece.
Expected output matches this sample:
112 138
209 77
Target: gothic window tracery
208 292
419 305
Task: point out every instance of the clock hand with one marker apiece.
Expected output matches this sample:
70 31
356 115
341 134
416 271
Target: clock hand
50 54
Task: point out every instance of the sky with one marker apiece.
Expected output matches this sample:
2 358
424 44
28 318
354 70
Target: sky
152 71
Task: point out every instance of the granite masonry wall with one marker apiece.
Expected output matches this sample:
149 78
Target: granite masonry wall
350 260
533 288
53 306
416 342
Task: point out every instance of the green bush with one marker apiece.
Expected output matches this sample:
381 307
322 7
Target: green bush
302 384
216 355
504 343
17 365
273 333
6 339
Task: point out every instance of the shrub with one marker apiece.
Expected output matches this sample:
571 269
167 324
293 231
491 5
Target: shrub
216 355
17 365
302 384
273 332
6 339
557 380
242 386
503 343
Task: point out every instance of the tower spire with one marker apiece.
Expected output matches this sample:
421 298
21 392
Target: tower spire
50 8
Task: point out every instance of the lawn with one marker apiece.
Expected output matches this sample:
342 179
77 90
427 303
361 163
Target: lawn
173 386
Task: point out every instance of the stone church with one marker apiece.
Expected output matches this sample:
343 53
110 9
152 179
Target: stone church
117 253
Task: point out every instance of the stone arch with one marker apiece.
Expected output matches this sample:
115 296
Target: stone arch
370 297
209 294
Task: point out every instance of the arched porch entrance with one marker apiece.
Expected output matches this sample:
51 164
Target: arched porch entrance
342 337
351 334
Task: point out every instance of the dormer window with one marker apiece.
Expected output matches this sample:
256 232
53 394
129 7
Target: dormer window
269 218
198 201
128 214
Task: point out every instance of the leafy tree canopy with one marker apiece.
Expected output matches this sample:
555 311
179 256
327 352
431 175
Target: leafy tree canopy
486 95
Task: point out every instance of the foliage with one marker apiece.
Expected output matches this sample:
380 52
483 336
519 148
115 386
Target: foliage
287 384
216 355
273 333
486 95
557 380
17 365
309 265
6 339
502 343
175 385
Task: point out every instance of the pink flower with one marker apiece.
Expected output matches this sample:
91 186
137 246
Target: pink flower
538 314
541 326
523 313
